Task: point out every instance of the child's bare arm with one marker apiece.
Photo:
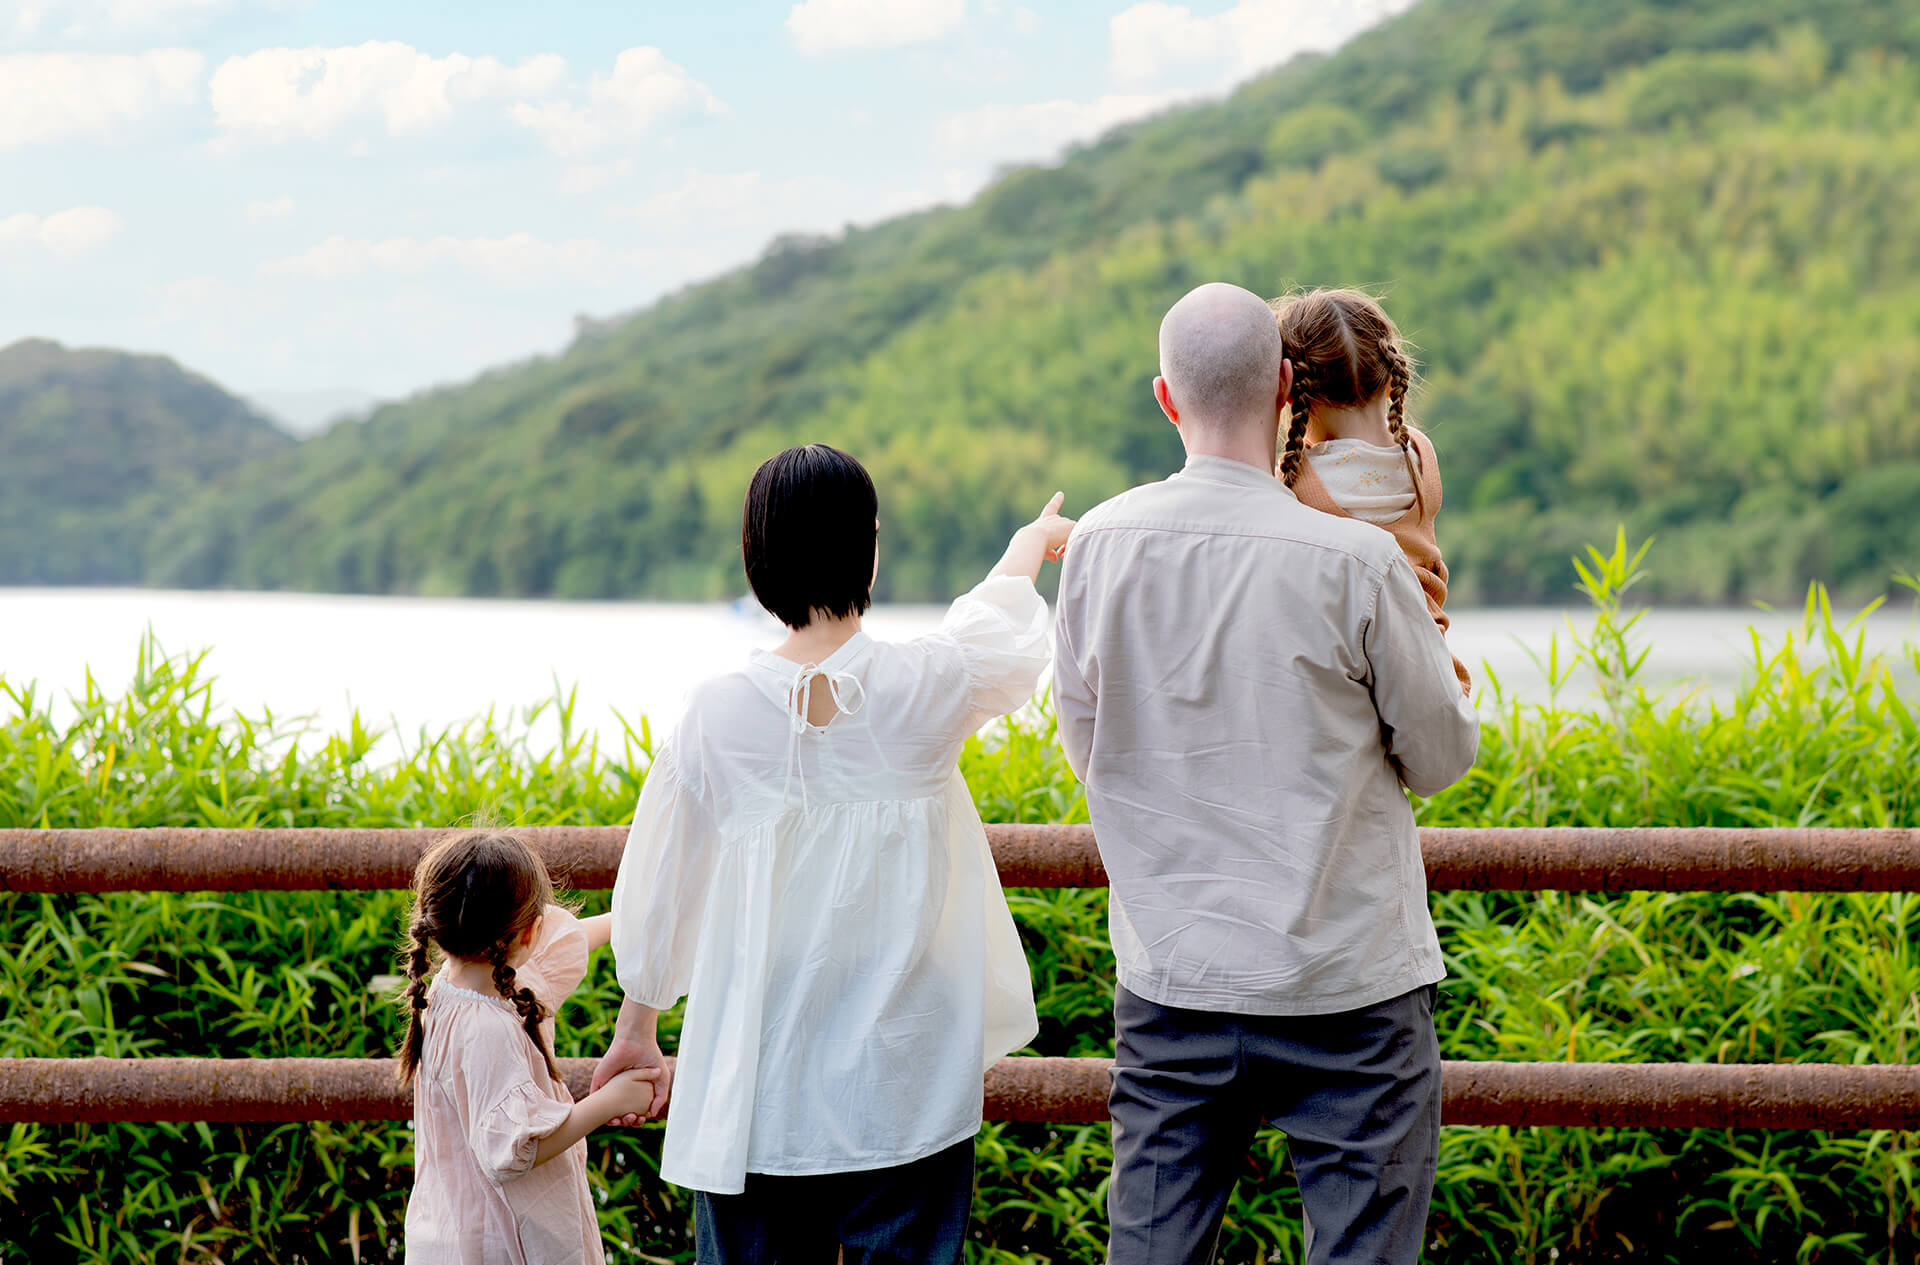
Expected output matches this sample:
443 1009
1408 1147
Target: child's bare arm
628 1093
599 929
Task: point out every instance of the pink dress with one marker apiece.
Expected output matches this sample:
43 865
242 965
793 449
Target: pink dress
482 1100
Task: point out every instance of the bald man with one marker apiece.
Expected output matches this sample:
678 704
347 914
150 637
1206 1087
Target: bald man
1247 688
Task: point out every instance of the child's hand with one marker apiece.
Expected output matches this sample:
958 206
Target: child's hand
628 1054
630 1094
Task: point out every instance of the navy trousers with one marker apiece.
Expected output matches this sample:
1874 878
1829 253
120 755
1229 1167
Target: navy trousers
910 1214
1357 1094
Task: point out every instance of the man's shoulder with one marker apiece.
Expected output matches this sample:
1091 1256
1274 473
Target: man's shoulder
1175 505
1127 505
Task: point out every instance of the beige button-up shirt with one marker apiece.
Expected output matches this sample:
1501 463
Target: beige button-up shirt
1244 686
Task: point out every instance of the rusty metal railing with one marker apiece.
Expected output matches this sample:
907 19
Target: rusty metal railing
1761 1096
1649 1095
1506 859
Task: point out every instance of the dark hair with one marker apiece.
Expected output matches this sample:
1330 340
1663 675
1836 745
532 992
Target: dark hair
475 893
807 534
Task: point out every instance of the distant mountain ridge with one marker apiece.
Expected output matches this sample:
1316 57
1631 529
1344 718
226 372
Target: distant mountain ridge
98 445
1658 259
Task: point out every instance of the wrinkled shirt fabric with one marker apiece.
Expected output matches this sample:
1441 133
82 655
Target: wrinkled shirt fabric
1244 685
482 1100
825 899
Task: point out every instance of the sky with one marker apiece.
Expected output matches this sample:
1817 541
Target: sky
304 196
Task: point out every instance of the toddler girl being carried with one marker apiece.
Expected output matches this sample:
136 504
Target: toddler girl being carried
1347 449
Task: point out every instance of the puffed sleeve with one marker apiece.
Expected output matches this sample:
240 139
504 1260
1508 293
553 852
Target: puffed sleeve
558 960
506 1135
1000 631
660 896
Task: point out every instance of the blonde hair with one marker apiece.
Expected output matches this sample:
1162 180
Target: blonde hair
1345 351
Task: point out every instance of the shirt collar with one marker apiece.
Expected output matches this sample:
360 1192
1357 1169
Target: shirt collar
1226 470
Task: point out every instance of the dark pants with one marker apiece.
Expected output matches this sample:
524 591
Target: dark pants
1358 1095
912 1214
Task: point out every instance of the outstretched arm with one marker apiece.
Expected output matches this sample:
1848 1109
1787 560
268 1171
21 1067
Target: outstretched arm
599 929
1042 540
628 1092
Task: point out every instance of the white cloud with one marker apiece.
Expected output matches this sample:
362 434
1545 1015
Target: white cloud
1026 21
278 93
747 204
645 87
592 177
53 96
73 231
1042 128
193 294
1153 38
515 259
270 208
833 26
703 195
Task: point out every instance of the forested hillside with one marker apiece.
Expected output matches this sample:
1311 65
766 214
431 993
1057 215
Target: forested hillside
1660 259
96 446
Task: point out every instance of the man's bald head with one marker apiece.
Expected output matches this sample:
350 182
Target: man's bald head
1220 354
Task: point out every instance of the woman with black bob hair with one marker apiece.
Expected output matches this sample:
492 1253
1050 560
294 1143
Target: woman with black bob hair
806 866
810 536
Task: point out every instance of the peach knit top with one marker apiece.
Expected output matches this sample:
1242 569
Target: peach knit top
1413 530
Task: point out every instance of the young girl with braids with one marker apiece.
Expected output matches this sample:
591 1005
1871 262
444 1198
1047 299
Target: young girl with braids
1347 449
499 1153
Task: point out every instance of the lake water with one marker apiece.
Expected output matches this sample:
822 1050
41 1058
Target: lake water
411 663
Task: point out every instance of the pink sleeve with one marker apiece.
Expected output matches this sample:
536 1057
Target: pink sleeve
506 1136
558 961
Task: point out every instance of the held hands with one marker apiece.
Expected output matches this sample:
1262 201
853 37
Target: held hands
631 1094
643 1063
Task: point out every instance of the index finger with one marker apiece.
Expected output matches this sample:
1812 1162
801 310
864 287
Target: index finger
1053 506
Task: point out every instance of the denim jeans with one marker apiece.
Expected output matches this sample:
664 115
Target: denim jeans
910 1214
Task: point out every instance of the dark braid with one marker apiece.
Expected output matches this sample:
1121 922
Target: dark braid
1399 382
1300 406
531 1011
477 894
1345 353
419 966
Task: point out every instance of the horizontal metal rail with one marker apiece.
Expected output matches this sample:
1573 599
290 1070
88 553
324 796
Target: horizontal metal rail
1579 1095
189 859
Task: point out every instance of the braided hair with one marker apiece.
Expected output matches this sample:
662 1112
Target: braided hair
1345 353
1399 382
1299 408
475 895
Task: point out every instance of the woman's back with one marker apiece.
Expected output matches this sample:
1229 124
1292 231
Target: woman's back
826 895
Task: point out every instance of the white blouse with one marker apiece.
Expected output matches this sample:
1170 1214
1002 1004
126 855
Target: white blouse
1367 481
825 898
